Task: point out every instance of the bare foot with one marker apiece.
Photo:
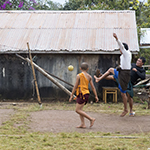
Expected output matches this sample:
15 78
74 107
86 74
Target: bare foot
92 122
123 113
98 73
96 79
81 126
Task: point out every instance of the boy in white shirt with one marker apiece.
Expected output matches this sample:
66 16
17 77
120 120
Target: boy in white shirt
122 73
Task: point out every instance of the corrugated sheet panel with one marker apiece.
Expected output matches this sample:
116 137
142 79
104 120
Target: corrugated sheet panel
67 31
145 38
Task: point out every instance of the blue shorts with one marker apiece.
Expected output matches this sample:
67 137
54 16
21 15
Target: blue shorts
116 78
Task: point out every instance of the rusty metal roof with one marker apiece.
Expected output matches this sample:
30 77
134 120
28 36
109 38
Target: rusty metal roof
67 31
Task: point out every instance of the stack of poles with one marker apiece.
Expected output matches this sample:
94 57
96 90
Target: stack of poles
33 65
49 77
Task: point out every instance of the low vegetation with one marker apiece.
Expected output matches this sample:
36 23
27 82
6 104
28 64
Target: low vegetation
14 133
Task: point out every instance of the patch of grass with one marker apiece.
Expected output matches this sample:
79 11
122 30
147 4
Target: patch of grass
14 133
147 71
70 141
109 108
136 99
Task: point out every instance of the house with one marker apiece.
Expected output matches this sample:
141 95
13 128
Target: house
145 38
58 39
145 44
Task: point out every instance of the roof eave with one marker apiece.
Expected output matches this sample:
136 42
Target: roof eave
64 52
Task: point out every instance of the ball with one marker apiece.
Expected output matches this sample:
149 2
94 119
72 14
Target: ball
70 68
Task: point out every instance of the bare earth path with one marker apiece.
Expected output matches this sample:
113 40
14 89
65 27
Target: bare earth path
66 121
5 115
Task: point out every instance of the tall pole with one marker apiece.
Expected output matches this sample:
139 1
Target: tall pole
49 77
34 76
149 99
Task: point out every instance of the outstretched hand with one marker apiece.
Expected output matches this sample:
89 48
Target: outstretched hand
70 99
115 36
96 99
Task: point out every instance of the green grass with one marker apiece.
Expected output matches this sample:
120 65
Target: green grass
71 141
14 133
147 71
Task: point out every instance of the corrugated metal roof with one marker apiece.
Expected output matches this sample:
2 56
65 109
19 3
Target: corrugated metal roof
145 38
67 31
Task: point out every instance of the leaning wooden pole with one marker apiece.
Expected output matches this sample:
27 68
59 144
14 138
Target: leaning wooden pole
49 77
34 76
149 99
46 75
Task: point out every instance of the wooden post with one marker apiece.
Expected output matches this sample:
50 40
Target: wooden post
149 99
50 78
34 76
47 75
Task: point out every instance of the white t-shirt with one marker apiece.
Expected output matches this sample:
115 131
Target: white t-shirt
125 58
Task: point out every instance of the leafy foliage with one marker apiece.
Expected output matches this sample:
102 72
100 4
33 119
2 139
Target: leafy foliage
48 5
28 5
73 5
18 4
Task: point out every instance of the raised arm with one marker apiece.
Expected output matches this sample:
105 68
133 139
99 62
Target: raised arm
119 43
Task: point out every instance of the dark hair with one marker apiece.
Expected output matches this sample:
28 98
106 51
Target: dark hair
84 66
125 46
143 60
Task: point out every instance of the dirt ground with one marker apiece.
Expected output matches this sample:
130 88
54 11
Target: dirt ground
5 114
66 121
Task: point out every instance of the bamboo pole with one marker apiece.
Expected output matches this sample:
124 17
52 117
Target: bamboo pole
149 99
58 78
52 75
34 76
46 75
50 78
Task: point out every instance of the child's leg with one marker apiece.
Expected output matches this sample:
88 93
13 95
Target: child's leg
82 122
82 114
81 117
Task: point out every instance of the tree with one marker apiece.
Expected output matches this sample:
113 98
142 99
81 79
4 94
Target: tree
18 4
5 4
48 5
73 5
29 5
